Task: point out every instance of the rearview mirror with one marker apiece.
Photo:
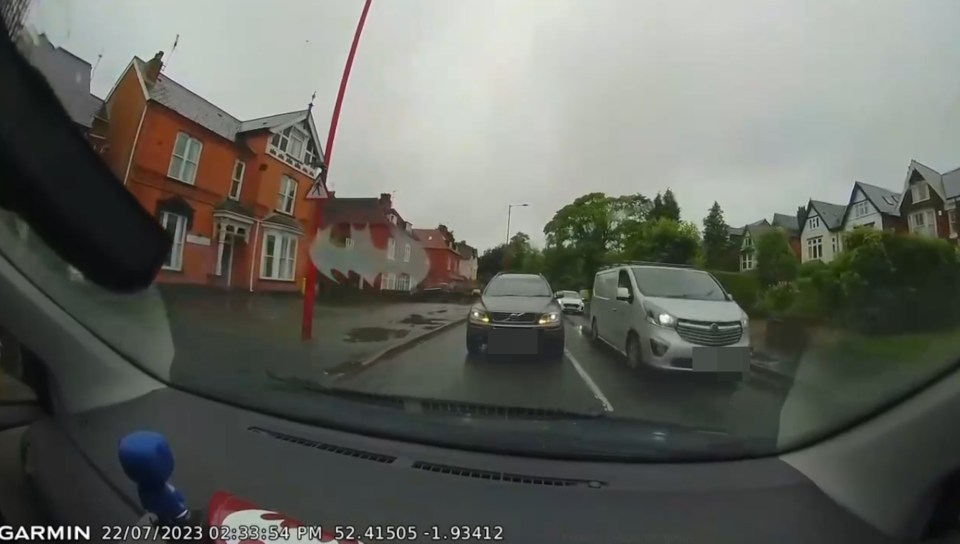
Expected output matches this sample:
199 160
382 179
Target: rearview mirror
623 293
729 297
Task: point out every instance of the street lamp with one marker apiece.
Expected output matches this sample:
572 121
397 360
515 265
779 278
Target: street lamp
509 209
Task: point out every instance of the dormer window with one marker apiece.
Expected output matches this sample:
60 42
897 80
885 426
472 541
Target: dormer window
296 142
814 222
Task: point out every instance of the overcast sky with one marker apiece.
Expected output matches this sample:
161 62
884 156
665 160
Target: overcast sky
465 106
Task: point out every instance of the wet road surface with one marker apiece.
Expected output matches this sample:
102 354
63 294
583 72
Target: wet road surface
589 379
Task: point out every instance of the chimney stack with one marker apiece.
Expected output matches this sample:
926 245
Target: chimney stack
386 200
152 70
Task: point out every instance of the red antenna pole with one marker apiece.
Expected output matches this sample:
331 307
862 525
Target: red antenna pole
310 289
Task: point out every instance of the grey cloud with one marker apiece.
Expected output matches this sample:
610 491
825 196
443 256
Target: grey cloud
463 107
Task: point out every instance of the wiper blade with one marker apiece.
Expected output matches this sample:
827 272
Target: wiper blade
435 406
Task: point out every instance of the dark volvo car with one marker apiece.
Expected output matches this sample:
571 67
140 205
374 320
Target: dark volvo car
517 315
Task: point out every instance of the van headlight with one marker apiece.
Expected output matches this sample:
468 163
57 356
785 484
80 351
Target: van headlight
479 315
662 319
548 318
744 321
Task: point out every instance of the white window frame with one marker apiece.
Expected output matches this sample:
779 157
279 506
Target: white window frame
746 261
403 282
814 222
236 180
919 195
391 249
952 221
189 143
174 260
861 209
815 248
348 243
285 246
284 141
388 281
835 243
287 196
406 253
928 228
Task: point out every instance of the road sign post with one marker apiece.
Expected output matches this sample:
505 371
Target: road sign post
310 294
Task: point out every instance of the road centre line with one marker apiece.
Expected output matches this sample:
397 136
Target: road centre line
597 393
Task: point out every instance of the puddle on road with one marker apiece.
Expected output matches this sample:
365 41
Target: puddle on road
417 319
374 334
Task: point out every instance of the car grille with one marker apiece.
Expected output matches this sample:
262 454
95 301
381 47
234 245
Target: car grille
571 305
707 333
508 317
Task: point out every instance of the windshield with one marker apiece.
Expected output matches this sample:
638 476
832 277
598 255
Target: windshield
677 283
782 179
516 286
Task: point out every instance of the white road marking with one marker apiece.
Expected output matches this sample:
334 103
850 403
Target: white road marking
597 393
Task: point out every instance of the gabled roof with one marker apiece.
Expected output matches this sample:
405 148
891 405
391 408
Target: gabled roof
830 214
786 222
194 107
756 228
466 251
431 238
951 184
735 231
68 76
884 201
354 210
931 176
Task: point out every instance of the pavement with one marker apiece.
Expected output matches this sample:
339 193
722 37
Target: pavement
242 341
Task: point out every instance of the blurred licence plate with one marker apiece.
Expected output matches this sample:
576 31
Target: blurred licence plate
726 359
512 341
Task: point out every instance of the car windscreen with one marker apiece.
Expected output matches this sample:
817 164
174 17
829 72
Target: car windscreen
569 294
518 287
677 283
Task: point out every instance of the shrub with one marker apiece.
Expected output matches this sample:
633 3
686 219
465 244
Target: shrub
744 287
777 299
890 283
775 260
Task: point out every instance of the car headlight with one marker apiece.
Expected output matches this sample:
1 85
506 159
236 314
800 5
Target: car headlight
744 321
478 314
551 317
662 319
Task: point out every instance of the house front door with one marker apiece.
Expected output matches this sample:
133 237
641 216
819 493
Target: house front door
225 265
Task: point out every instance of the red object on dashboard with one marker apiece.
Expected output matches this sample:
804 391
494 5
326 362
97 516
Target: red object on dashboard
236 520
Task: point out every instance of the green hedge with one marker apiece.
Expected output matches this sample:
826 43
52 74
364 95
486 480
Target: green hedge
745 288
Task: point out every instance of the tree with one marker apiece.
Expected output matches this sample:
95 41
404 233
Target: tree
666 241
491 262
775 260
665 207
716 239
517 251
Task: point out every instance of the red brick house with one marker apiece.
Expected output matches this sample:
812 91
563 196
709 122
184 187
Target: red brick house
928 201
442 254
364 243
230 192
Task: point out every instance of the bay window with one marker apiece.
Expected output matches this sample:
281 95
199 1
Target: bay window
279 256
176 226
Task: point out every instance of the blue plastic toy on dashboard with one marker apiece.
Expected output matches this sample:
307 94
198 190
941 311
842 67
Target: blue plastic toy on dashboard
146 459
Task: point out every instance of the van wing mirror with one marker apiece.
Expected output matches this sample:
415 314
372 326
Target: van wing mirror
729 297
623 293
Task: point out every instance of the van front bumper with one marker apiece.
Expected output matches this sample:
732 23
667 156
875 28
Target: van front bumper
664 349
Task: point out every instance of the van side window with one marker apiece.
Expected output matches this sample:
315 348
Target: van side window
609 285
624 280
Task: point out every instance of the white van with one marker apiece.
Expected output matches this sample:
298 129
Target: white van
669 317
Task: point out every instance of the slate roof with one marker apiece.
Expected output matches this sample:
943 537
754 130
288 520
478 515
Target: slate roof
930 175
68 76
884 200
466 251
431 239
787 222
830 214
232 206
284 221
735 231
354 210
189 104
951 184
